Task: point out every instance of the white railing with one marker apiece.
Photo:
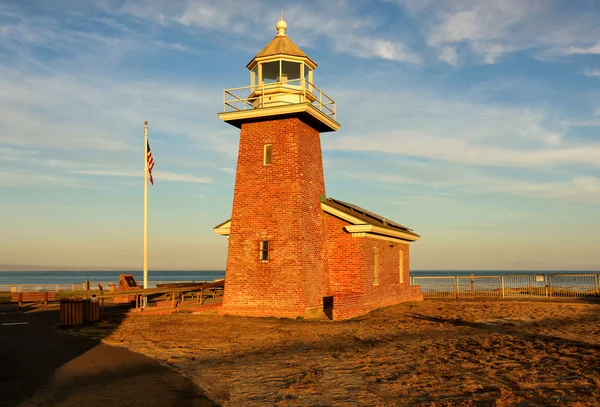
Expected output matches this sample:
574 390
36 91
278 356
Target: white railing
511 286
285 93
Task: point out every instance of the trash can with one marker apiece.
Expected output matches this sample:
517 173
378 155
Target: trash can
71 312
91 310
111 286
101 287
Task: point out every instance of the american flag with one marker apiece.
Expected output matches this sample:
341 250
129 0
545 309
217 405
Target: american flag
150 162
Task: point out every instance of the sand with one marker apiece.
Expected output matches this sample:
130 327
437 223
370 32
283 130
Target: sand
432 353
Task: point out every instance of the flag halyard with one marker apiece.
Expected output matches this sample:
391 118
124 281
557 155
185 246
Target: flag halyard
150 162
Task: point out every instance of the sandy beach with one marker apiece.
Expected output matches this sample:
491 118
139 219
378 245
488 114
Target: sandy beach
432 353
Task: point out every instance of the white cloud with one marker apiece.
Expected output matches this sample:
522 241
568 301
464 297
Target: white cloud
10 177
591 72
158 175
594 49
449 55
333 21
490 29
77 112
171 176
227 170
172 45
579 189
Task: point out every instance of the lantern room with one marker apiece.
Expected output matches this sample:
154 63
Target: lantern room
281 82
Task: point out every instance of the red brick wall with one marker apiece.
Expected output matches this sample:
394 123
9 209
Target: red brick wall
279 203
351 272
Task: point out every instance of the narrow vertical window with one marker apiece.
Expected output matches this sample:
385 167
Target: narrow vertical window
264 250
375 266
268 156
401 265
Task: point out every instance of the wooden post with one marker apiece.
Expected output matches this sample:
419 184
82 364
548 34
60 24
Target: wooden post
502 278
472 285
500 287
456 287
173 300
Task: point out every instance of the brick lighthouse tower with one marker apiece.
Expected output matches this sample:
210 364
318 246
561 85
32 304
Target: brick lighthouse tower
277 258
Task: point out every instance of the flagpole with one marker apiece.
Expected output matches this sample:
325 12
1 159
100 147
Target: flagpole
145 204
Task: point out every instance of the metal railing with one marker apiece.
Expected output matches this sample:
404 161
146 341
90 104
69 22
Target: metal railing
511 286
277 94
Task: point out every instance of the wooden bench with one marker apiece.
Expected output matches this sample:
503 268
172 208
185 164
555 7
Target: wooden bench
32 297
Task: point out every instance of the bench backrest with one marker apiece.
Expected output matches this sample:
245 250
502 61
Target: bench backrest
32 297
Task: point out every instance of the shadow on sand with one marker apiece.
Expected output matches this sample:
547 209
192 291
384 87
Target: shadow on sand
43 366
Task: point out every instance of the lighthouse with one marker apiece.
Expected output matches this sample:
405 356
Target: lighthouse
287 240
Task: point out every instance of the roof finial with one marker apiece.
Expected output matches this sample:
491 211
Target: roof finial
281 26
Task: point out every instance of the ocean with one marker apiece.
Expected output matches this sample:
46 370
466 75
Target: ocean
157 276
76 277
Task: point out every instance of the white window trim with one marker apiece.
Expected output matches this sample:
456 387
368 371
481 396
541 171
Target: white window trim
266 146
401 265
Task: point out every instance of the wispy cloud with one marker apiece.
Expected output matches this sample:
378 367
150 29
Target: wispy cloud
593 49
11 177
461 129
334 21
591 72
490 29
158 175
579 189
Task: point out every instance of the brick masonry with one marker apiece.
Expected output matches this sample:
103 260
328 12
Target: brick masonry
279 203
351 267
311 255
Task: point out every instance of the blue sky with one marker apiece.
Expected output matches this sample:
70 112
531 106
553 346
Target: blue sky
476 123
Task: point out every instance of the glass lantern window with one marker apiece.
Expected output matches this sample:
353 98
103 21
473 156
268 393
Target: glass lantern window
290 71
270 72
308 77
254 77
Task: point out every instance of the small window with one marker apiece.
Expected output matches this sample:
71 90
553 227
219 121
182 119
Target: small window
268 155
401 265
264 250
375 266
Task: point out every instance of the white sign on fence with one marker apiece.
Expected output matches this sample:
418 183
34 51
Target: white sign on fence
539 279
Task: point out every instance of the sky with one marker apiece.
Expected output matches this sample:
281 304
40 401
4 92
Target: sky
475 123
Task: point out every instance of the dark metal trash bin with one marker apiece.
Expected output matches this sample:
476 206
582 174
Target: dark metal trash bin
71 312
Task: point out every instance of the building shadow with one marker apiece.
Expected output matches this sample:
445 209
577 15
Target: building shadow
43 365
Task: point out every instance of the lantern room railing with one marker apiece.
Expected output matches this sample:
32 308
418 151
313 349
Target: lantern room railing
278 94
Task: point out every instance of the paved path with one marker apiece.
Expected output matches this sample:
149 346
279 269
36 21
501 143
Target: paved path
41 366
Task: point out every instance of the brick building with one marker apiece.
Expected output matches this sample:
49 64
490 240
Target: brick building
293 251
